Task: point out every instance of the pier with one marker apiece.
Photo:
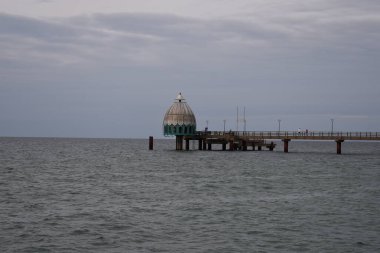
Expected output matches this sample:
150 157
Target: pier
179 121
257 140
234 140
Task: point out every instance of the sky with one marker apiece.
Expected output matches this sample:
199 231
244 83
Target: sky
111 69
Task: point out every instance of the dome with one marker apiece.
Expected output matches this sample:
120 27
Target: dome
179 118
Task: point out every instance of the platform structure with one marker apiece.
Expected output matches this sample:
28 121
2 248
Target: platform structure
179 121
234 140
250 140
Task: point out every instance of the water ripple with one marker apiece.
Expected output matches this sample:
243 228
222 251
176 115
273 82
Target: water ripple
99 195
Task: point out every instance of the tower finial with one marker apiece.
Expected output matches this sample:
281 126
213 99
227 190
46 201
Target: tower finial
180 97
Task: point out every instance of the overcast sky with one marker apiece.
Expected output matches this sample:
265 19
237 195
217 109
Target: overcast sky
86 68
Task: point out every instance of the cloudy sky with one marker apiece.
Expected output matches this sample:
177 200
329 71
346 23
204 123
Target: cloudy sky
85 68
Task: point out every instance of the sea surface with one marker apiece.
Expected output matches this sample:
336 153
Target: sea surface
114 195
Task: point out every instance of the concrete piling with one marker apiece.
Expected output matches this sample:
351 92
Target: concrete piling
179 142
231 145
339 146
244 145
200 144
286 145
271 147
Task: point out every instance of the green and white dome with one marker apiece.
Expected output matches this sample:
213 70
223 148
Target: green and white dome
179 118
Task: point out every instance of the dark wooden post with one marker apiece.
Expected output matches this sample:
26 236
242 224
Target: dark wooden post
179 142
204 144
187 144
231 144
286 145
200 144
150 142
259 147
224 146
271 147
253 146
244 145
209 145
339 146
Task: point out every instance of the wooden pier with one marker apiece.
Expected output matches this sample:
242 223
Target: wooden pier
232 139
250 140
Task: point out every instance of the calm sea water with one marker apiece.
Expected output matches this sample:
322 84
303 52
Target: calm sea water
113 195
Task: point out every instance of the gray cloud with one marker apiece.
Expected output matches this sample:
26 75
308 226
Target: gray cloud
106 70
25 27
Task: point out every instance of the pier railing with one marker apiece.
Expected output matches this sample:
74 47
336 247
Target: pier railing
302 135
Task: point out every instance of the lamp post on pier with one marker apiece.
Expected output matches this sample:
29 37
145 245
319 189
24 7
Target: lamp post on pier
332 126
279 126
224 125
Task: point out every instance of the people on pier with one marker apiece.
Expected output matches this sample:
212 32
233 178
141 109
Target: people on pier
303 133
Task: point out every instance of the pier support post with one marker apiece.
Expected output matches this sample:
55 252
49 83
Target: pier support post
204 144
271 147
209 146
339 146
253 146
200 144
259 148
231 144
224 146
150 142
179 142
187 144
286 145
244 145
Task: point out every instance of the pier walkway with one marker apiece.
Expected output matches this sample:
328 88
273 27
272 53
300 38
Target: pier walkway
241 140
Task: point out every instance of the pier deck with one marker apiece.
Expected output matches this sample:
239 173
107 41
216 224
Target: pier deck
315 135
241 140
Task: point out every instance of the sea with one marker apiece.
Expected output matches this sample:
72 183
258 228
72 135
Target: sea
115 195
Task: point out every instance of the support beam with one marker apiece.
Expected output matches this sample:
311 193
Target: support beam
253 146
187 144
286 145
259 147
224 146
179 142
339 146
204 144
209 146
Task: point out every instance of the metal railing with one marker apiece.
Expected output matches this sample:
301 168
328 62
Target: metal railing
307 135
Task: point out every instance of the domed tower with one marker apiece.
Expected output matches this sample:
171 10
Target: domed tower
179 120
